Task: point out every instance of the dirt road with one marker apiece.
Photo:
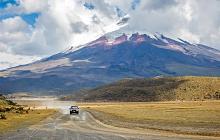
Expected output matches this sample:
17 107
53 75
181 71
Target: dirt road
63 126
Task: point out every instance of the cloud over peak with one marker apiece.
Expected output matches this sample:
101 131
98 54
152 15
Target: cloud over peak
40 28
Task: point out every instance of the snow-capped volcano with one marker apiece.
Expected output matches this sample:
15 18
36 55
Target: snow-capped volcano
109 58
158 40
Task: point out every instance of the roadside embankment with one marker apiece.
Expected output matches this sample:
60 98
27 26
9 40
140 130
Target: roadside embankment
14 116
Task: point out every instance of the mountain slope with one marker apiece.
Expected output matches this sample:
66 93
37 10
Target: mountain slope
111 58
153 89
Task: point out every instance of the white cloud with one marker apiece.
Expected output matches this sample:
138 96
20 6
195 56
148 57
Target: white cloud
61 24
192 20
66 23
187 35
33 5
13 24
11 60
25 6
14 32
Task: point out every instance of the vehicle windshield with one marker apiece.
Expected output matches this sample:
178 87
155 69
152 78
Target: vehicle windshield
75 107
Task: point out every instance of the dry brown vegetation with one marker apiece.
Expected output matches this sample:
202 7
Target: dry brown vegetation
197 118
13 116
154 89
14 121
9 106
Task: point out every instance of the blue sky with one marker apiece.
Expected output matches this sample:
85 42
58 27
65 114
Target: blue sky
4 3
29 18
89 5
33 29
135 3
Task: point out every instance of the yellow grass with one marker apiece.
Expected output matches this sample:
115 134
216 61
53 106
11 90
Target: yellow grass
201 118
16 120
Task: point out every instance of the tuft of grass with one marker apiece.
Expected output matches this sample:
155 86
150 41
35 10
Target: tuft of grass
199 118
2 116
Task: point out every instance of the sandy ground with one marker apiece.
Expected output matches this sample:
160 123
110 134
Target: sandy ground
63 126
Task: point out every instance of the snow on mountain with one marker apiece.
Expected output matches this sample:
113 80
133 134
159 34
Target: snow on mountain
158 40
